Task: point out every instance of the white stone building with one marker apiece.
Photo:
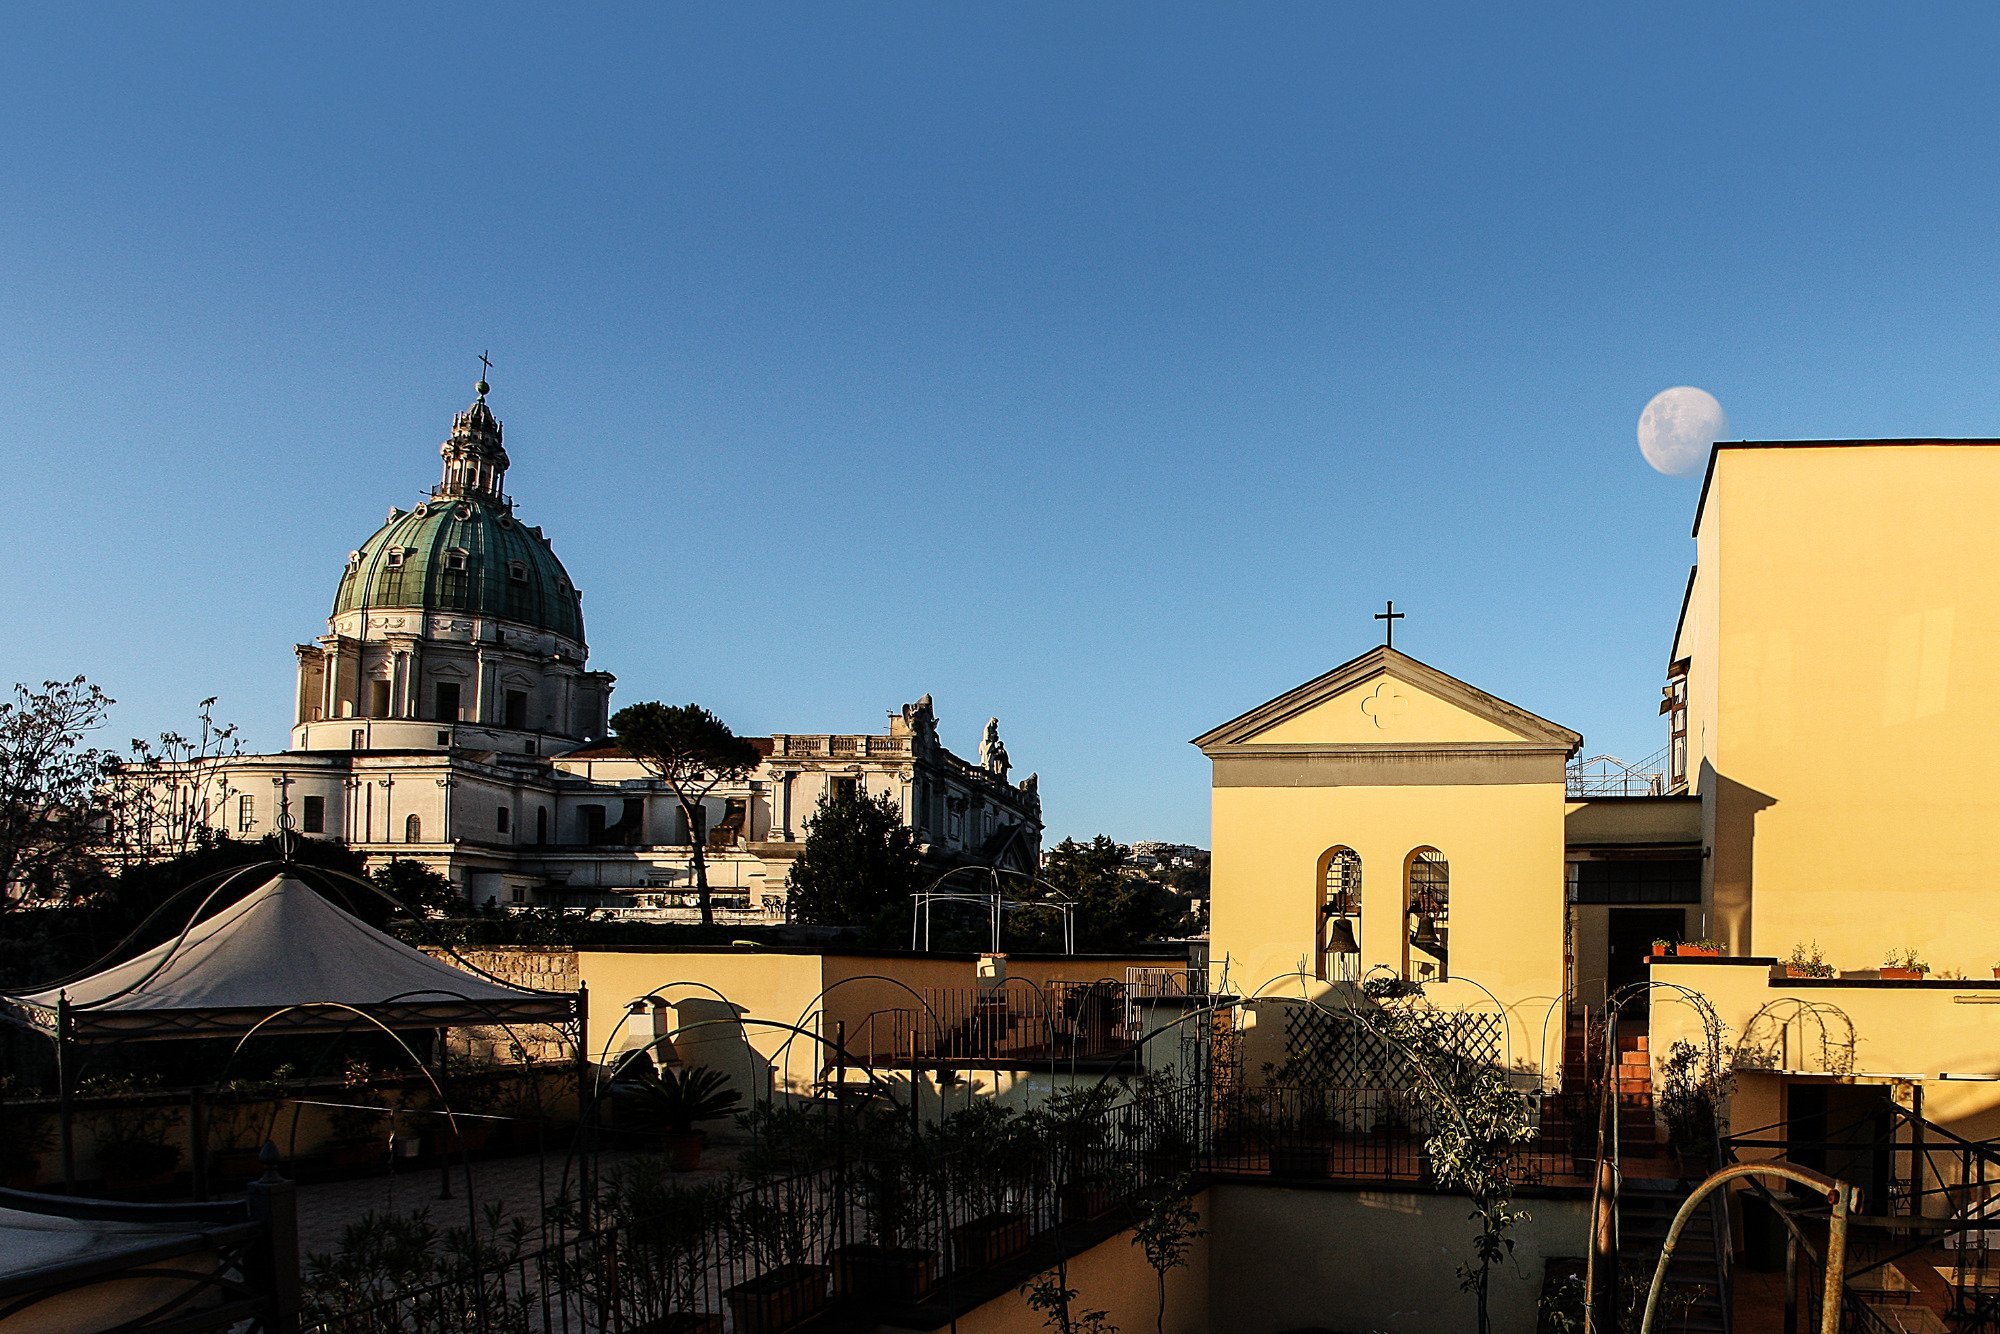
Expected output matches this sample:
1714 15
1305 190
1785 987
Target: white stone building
448 716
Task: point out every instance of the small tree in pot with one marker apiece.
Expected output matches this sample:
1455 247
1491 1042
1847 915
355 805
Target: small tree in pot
682 1099
774 1227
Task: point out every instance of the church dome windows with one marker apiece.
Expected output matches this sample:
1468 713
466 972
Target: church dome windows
517 571
393 558
455 558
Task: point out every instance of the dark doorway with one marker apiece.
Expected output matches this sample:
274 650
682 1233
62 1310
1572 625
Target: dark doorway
1630 937
1842 1130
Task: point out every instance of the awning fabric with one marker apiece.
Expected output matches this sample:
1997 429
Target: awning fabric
280 947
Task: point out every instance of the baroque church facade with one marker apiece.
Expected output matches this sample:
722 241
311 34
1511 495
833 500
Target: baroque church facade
449 716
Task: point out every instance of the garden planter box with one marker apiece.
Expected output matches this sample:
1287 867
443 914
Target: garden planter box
1900 975
1697 952
681 1322
989 1240
237 1165
1083 1201
1299 1162
778 1300
895 1274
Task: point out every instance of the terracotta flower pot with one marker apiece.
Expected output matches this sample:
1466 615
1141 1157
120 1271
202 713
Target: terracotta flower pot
683 1148
988 1240
1084 1200
1697 951
1888 974
681 1322
901 1276
778 1299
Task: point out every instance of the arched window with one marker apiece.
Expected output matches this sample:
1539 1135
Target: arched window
1339 952
413 830
1427 916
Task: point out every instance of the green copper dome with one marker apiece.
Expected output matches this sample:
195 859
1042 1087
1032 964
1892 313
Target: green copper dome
463 550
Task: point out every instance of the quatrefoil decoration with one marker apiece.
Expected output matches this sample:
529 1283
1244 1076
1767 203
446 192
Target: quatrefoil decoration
1385 706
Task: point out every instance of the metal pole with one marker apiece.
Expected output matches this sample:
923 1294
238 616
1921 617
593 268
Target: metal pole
1791 1325
65 1094
198 1141
1837 1193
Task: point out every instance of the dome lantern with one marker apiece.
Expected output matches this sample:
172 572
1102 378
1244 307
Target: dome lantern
475 463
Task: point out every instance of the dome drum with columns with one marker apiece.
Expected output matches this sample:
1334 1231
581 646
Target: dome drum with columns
454 625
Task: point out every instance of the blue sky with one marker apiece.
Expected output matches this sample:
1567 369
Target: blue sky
1101 367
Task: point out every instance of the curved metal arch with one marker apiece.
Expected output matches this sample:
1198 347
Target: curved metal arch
1793 1008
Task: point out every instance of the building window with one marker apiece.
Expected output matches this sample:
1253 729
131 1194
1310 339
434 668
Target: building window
592 817
313 821
517 570
394 557
1427 913
517 709
1675 706
445 697
246 814
503 819
413 830
842 789
454 559
378 699
541 824
1340 915
357 740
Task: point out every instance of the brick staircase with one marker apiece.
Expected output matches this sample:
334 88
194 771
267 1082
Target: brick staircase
1649 1193
1633 1081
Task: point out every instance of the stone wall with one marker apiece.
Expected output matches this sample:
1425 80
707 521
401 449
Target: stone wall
536 967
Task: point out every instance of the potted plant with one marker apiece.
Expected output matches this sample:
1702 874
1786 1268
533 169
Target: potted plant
1806 962
1072 1127
1903 966
24 1137
681 1099
135 1148
885 1268
1299 1150
360 1124
773 1228
1703 947
670 1234
1664 948
239 1121
988 1146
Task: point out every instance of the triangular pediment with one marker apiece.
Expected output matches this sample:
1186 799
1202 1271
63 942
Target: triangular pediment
1388 698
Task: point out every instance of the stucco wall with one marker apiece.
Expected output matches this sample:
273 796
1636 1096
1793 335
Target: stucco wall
1113 1277
1504 843
1898 1030
1856 663
1368 1260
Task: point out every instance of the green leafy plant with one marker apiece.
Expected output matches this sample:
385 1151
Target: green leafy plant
1166 1234
1907 959
1808 962
683 1098
1693 1084
672 1229
1050 1295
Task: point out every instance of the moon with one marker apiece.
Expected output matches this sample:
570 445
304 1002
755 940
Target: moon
1677 428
